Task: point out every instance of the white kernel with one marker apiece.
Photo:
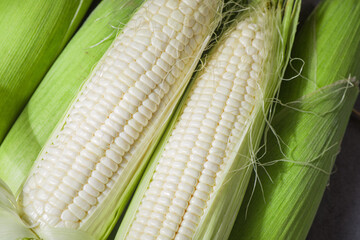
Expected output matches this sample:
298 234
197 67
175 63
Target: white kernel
190 225
103 179
103 169
88 197
176 210
71 224
77 211
195 210
151 231
180 203
42 195
251 50
149 56
91 191
82 203
207 180
81 169
184 234
57 203
147 237
67 190
201 195
247 106
204 187
68 216
186 188
172 226
173 217
254 74
109 163
121 143
189 217
176 25
169 234
72 183
258 44
50 219
157 215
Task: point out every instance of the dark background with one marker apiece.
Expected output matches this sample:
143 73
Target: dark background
338 217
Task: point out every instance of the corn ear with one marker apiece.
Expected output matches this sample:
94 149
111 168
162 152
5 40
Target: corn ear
309 126
86 172
56 92
47 107
194 184
32 35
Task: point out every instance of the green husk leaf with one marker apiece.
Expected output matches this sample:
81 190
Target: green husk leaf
312 130
32 34
11 225
64 234
309 126
56 92
221 211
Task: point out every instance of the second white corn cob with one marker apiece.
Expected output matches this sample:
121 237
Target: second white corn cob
213 120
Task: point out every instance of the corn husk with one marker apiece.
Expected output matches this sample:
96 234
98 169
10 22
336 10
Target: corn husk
32 35
11 224
309 126
12 227
220 213
60 86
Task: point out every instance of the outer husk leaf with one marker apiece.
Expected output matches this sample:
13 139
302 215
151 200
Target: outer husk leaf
65 234
32 34
60 86
220 214
310 127
11 225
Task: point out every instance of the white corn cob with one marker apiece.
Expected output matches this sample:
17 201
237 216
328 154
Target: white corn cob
112 119
217 111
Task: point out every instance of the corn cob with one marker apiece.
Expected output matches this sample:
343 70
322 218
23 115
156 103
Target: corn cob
183 193
60 86
311 123
84 169
199 146
32 35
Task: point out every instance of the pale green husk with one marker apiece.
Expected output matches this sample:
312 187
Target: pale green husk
220 214
32 34
309 126
13 227
11 224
